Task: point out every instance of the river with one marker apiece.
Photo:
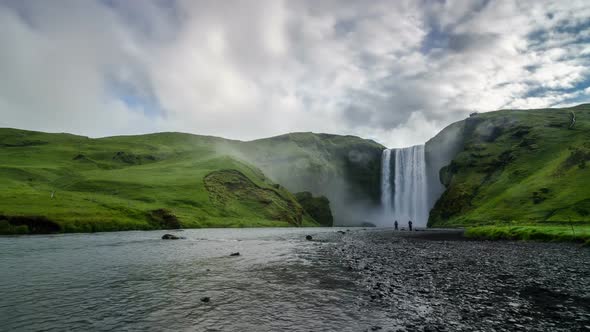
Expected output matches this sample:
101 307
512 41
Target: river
136 281
357 280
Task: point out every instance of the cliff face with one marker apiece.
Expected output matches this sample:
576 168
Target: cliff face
317 207
512 166
439 152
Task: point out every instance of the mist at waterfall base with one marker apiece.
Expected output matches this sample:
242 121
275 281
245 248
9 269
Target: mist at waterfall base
350 205
404 187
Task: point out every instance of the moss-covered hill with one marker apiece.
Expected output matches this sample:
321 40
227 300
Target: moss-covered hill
345 169
62 182
518 167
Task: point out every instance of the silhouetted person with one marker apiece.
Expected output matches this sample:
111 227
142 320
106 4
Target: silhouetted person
410 225
395 225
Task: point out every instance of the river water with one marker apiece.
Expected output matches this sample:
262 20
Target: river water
136 281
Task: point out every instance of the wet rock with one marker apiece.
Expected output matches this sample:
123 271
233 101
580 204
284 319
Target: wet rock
235 254
308 237
171 237
205 299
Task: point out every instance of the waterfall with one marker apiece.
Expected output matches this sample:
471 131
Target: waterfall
386 182
410 192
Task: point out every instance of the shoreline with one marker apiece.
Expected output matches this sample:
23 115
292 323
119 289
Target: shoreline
437 281
526 233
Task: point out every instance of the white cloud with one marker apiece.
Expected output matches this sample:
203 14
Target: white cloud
394 71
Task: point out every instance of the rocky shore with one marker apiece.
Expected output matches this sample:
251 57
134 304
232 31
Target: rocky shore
437 281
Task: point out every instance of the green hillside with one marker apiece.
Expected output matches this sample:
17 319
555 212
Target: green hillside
521 167
345 169
504 168
68 183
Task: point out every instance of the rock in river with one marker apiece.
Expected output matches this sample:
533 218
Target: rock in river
171 237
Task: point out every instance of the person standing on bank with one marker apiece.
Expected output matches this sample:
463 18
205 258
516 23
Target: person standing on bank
410 225
395 225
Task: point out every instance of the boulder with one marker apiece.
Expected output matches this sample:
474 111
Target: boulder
235 254
308 237
171 237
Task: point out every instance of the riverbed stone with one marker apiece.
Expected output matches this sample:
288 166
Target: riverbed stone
171 237
441 282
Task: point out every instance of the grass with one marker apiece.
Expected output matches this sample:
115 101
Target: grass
519 167
116 183
345 169
313 162
552 233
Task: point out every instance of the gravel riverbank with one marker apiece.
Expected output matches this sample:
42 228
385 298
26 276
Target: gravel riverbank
437 281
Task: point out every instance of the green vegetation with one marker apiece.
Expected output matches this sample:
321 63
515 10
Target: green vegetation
68 183
317 207
345 169
304 160
236 194
511 168
519 167
577 233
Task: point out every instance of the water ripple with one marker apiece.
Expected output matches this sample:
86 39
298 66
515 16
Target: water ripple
133 281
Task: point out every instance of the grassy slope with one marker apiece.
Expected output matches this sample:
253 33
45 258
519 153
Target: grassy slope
308 161
345 169
577 233
97 188
519 168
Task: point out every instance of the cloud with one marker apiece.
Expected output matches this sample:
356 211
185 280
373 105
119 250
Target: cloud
393 71
55 66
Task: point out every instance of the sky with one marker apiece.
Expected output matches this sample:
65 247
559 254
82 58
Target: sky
393 71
